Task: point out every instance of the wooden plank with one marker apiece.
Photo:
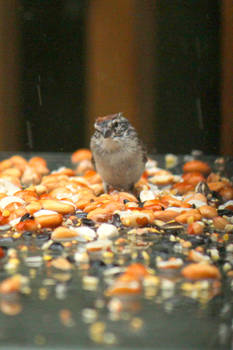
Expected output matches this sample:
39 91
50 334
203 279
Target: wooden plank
9 73
227 78
117 58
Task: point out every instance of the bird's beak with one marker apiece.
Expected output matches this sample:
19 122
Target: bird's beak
106 133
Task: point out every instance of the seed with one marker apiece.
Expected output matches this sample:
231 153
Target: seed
136 218
107 257
107 231
227 267
225 212
115 305
189 217
96 331
89 315
61 207
81 257
61 291
151 281
11 284
170 264
63 233
208 211
196 165
171 160
61 264
162 178
32 273
10 308
85 232
50 220
81 154
195 228
90 283
227 193
203 188
43 293
173 226
33 261
219 222
66 319
99 245
146 195
201 271
229 228
136 323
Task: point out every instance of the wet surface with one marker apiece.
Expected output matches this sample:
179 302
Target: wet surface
57 310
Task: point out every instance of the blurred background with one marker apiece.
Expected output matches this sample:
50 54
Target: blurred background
168 65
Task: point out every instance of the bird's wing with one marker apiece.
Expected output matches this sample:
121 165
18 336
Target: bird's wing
144 152
93 162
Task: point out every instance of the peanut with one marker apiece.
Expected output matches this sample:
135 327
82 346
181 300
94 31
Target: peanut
196 228
198 271
52 220
10 285
63 233
208 212
81 154
196 166
189 216
226 193
57 205
219 222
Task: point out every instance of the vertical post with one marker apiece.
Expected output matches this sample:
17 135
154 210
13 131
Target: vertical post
9 76
120 62
227 78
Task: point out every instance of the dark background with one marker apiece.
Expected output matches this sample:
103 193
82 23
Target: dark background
188 94
53 100
187 77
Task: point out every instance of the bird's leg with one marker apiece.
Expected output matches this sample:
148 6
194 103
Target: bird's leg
134 191
106 187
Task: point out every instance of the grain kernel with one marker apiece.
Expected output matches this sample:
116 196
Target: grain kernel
220 222
208 212
201 271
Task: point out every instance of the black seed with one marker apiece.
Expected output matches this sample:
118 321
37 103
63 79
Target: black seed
56 246
43 237
27 235
71 259
226 212
97 263
88 222
26 216
4 249
116 220
216 195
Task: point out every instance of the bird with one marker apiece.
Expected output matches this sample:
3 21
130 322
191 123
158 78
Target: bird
119 155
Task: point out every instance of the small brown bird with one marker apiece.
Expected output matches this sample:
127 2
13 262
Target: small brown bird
118 153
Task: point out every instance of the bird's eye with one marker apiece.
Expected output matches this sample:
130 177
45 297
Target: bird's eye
115 124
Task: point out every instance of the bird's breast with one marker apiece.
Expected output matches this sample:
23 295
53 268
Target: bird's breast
120 168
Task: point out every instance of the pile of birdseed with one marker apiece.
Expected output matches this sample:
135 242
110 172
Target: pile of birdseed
174 238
